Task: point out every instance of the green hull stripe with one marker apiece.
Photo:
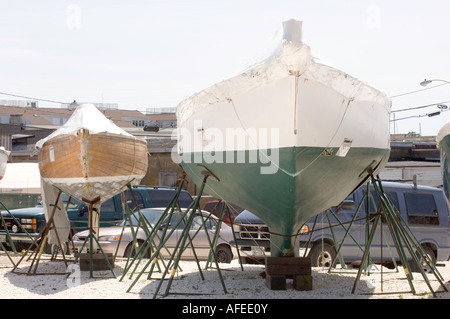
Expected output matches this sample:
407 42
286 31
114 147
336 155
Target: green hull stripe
307 181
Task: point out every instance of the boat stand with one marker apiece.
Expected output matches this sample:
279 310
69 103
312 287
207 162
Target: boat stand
168 213
216 236
185 240
149 244
347 233
40 242
7 237
367 198
94 258
400 233
140 252
8 233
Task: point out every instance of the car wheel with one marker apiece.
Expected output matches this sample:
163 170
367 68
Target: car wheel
423 263
130 251
224 254
322 255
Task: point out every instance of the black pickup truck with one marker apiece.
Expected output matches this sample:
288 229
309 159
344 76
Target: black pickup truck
28 222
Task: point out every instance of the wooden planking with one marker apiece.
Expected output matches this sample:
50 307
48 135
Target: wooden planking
106 155
67 159
91 165
124 156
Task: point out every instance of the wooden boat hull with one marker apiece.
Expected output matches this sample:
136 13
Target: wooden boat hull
286 140
90 166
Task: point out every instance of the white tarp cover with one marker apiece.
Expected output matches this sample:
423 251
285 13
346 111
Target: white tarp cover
290 55
21 178
61 221
85 116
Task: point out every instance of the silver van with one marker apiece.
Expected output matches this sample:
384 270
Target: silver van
425 210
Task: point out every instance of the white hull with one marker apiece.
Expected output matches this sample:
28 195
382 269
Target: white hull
310 104
4 154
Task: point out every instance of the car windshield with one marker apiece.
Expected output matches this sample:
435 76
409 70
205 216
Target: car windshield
150 216
74 202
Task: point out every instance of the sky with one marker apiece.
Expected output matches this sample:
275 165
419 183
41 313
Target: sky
155 53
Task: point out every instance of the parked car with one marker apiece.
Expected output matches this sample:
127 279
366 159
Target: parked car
425 210
120 237
216 206
111 212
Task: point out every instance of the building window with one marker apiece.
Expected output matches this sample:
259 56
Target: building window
168 178
138 123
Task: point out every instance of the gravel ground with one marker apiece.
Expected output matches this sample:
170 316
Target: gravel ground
188 285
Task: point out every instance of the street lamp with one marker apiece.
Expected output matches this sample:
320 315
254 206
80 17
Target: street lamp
426 82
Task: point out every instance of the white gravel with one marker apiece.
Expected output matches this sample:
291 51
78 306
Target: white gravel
187 283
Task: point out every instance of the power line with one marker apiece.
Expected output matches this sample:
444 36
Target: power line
53 101
31 98
428 88
416 116
420 107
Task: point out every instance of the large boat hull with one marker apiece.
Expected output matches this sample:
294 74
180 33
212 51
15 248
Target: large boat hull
286 139
443 142
4 154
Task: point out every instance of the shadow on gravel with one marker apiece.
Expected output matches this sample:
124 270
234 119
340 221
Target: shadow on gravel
52 277
249 284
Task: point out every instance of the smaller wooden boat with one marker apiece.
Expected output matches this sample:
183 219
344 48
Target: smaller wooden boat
4 154
90 157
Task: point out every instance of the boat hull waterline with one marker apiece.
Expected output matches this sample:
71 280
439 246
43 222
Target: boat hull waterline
286 140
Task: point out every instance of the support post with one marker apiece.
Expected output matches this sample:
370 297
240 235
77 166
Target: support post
92 240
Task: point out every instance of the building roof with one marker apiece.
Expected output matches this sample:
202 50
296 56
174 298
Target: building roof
162 117
39 116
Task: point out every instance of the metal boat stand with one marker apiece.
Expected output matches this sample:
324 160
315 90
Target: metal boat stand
149 244
367 198
183 242
140 252
40 242
90 239
400 233
216 236
167 214
331 226
8 233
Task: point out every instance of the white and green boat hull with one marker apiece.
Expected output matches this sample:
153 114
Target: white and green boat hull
286 139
